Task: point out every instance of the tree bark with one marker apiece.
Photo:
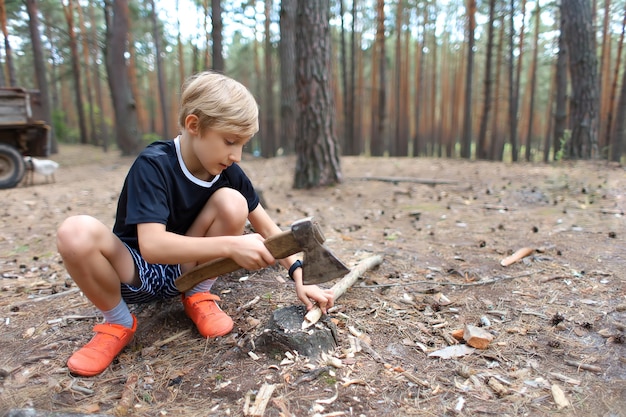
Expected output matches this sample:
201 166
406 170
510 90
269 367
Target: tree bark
345 140
583 68
466 143
126 129
419 147
619 136
317 150
609 129
604 73
497 142
78 91
40 69
560 106
104 127
481 146
269 130
518 81
179 48
216 34
156 37
377 142
394 144
533 83
352 136
85 50
7 45
287 46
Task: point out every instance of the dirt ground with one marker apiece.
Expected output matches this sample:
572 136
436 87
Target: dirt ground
557 317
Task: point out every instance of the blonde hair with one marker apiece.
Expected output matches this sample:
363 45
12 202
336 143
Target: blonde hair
220 103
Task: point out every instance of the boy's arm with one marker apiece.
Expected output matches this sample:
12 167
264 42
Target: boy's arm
264 225
157 245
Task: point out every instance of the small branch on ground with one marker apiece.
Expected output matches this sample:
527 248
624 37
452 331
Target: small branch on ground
394 180
340 287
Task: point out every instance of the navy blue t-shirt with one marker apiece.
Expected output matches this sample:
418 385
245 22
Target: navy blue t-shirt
160 189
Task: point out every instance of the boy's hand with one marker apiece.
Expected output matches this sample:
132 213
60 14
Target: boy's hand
250 253
309 293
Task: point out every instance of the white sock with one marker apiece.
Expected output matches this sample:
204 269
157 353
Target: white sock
120 314
204 286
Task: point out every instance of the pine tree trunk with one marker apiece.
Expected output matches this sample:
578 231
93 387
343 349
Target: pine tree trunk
610 138
179 45
8 53
618 138
497 142
560 106
216 34
141 109
40 69
317 150
481 146
78 91
466 143
267 113
93 139
533 83
583 69
604 74
156 38
345 139
377 143
207 35
126 130
418 141
288 114
104 127
356 146
394 145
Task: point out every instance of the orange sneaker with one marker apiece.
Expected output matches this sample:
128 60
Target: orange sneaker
99 352
209 318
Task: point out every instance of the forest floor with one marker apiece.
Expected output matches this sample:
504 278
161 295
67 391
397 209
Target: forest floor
558 316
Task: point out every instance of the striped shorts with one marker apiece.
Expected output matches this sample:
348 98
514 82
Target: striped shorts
157 281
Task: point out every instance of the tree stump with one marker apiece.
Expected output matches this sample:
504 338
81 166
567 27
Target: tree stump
284 332
309 333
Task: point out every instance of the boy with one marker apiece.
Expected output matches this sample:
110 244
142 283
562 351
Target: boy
184 202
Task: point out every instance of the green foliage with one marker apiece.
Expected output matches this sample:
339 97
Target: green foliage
58 124
148 138
561 153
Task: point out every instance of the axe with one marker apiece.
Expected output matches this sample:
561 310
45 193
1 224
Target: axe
305 235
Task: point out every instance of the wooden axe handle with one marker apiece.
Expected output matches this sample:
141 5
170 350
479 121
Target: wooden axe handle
280 246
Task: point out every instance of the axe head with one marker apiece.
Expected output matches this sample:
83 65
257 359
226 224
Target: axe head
320 264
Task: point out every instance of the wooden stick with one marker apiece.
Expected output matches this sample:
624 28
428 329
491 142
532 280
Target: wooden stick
57 295
516 256
342 285
126 404
584 366
405 179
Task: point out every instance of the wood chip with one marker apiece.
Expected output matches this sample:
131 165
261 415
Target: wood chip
559 397
260 402
497 387
477 337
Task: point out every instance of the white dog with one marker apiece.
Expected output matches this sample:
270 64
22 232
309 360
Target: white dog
45 167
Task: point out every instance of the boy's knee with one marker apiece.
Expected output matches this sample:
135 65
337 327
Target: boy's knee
73 234
232 206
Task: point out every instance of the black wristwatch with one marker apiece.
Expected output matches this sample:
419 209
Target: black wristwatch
297 264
